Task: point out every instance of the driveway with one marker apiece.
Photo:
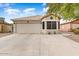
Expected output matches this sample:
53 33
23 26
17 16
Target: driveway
4 34
38 45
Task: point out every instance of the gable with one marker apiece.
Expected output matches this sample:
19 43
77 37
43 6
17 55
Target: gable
51 16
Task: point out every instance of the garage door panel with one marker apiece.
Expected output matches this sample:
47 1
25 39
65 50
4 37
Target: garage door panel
28 28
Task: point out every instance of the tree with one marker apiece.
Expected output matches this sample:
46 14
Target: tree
66 10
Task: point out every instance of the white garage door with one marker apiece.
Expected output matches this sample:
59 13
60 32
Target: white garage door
28 28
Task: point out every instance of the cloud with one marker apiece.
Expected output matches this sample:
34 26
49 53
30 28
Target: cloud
44 4
12 11
45 9
29 11
4 4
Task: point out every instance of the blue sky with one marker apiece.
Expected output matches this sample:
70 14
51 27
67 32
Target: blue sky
15 10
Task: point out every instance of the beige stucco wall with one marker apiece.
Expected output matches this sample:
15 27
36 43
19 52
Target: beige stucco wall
54 17
75 26
68 27
65 27
48 18
7 28
0 27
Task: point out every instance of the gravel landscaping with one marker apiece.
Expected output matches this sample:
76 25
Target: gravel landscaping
73 37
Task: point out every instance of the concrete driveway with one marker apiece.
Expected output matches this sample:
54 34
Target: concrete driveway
4 34
38 45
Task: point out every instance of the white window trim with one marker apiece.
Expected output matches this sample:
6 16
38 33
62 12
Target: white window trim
50 20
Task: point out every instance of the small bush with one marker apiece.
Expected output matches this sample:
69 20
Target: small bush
77 28
71 30
49 33
76 31
54 32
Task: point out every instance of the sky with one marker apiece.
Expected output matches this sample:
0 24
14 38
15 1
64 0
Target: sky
15 10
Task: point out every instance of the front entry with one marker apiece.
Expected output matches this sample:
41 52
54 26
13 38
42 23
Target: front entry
50 25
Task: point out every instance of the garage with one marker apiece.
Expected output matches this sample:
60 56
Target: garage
30 24
28 28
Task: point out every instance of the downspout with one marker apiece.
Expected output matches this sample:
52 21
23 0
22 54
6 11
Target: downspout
14 27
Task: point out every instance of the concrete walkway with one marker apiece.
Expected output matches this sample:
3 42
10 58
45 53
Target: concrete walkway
38 45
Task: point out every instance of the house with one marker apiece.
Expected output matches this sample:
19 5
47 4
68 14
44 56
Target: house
37 24
1 24
68 26
7 28
4 26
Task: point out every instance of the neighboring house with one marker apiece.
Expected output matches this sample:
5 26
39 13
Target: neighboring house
1 24
70 25
37 24
5 27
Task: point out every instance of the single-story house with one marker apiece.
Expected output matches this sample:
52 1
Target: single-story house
37 24
68 26
7 28
1 23
4 26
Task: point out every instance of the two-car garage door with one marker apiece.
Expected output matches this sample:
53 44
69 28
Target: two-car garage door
28 28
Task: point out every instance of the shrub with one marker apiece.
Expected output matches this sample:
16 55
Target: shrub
77 28
49 32
76 31
71 30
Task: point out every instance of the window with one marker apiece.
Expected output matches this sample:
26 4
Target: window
43 25
51 17
51 24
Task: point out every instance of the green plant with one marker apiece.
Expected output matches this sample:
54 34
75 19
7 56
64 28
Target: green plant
77 28
76 31
49 33
68 11
71 30
54 32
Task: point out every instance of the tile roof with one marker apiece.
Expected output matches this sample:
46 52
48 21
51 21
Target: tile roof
38 17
